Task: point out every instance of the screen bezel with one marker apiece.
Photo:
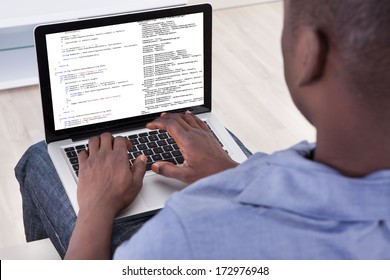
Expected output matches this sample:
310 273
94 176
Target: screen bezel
86 131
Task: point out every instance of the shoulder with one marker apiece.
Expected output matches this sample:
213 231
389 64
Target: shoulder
232 182
212 198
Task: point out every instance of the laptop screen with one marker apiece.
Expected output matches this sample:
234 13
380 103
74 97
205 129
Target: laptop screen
125 70
123 67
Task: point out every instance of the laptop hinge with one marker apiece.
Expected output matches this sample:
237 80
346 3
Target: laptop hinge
113 130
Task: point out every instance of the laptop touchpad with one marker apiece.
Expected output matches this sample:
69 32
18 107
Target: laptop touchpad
157 189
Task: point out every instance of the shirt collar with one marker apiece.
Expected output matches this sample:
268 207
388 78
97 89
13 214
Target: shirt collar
288 180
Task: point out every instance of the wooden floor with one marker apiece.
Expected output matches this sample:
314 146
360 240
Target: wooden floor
249 96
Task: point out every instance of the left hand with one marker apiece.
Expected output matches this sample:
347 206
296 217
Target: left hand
106 186
106 182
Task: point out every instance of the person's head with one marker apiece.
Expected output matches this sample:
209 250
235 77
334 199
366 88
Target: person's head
337 48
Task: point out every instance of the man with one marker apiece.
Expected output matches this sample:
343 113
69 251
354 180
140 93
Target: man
323 201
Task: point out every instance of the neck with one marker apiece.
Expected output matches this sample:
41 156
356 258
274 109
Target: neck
354 150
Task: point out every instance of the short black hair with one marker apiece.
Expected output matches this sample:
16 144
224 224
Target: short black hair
360 30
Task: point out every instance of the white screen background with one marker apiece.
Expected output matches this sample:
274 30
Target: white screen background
126 70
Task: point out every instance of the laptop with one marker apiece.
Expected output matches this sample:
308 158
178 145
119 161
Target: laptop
116 74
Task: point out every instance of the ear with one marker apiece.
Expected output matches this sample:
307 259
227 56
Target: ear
313 51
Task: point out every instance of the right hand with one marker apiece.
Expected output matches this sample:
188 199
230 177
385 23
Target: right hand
203 155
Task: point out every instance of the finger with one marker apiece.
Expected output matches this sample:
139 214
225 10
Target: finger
172 123
170 170
201 123
82 156
189 118
121 143
106 141
139 169
165 120
128 144
158 123
93 144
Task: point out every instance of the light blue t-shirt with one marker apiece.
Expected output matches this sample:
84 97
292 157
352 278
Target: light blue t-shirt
281 206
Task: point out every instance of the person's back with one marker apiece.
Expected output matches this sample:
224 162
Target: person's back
282 206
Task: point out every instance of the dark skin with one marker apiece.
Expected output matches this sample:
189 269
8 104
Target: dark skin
107 185
351 137
202 153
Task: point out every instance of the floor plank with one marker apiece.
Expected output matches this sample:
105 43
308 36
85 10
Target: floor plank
20 126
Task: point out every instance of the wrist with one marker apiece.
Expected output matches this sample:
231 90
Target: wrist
91 237
234 164
98 212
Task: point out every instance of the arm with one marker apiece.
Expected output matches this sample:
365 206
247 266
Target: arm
203 155
106 186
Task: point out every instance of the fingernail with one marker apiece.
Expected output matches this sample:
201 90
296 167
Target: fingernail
143 158
156 167
188 112
163 114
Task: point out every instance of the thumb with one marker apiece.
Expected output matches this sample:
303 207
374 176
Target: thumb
139 169
170 170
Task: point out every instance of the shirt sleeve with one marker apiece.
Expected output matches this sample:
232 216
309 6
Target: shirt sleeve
162 237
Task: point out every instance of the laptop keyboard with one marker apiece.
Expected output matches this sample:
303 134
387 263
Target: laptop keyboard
156 145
